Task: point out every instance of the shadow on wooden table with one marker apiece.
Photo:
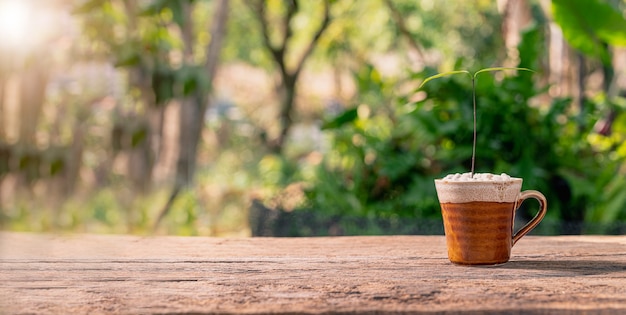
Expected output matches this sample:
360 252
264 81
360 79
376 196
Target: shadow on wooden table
579 267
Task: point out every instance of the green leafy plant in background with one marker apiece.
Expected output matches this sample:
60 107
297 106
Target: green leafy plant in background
473 77
590 26
386 151
376 168
593 27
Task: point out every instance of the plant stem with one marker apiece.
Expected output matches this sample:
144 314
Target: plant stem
474 143
473 76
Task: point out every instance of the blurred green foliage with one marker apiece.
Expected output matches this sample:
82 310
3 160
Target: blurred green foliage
589 25
387 150
372 169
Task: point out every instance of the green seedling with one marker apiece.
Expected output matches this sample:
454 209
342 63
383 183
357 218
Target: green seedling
473 77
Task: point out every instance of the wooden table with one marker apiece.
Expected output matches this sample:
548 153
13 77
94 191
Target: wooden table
98 274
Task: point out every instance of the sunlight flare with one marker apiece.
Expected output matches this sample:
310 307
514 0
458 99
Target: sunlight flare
14 20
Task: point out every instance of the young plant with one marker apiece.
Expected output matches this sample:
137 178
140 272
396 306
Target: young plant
473 77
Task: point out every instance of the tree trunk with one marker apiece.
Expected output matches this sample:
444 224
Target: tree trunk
142 157
193 107
191 113
399 20
289 76
2 119
516 16
32 93
581 83
72 170
610 90
286 112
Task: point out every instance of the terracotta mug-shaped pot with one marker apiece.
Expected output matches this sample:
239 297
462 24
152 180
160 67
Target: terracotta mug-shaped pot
478 216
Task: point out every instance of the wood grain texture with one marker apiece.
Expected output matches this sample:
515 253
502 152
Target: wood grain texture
96 274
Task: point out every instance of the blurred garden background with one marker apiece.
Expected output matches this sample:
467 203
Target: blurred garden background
301 118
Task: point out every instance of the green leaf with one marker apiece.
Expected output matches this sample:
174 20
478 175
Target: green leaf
128 60
177 12
193 79
396 165
499 69
127 54
530 47
612 202
590 24
346 117
616 193
163 81
443 75
175 8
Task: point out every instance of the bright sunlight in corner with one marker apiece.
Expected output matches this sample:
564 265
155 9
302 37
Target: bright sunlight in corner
14 20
